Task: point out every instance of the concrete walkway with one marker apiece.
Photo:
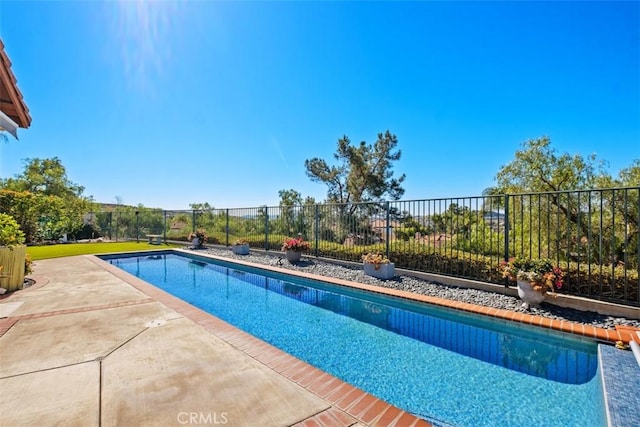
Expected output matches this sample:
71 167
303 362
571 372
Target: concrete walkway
90 346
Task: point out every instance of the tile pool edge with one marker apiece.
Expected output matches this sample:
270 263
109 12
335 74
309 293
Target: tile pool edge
619 371
349 404
608 336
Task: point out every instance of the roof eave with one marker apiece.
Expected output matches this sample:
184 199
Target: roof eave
9 125
8 80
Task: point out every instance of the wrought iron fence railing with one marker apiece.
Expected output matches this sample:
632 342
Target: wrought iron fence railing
591 234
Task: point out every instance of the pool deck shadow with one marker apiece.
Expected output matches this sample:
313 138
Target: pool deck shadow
91 345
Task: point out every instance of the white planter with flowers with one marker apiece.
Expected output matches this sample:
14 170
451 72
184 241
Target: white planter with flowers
378 266
240 248
536 278
380 271
528 295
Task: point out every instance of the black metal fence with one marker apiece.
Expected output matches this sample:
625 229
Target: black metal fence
591 234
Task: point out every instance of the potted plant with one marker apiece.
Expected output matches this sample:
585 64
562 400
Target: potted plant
13 254
536 278
377 265
293 247
240 247
198 238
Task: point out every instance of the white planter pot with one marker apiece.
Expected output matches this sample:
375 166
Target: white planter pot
240 249
528 295
293 256
195 242
384 271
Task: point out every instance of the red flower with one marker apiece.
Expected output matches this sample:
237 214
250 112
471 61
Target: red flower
295 244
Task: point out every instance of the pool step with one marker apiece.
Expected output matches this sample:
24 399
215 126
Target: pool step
620 374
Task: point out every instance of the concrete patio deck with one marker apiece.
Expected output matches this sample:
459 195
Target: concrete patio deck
90 345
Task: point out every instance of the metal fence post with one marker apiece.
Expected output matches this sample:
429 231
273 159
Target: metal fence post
506 232
227 229
388 229
266 228
164 214
193 220
506 227
317 226
137 227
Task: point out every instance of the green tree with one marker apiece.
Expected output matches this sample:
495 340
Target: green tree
457 221
55 204
538 167
215 224
410 226
308 213
44 176
201 207
627 177
25 207
359 181
492 199
364 173
624 203
289 217
45 217
290 198
573 214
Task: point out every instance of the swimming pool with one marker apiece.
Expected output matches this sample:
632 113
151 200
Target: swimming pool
445 366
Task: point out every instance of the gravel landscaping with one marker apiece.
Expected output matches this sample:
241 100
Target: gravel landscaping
419 286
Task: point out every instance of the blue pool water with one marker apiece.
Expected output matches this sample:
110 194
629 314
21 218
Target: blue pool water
448 367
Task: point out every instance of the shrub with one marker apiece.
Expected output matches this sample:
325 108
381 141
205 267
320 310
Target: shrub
28 264
10 233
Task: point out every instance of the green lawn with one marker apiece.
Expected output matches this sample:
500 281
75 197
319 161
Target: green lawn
69 249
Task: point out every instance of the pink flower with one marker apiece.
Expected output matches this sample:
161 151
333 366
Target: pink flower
295 244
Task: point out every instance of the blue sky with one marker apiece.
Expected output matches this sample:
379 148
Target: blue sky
169 103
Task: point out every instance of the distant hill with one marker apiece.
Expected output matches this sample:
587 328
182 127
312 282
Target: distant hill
109 207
